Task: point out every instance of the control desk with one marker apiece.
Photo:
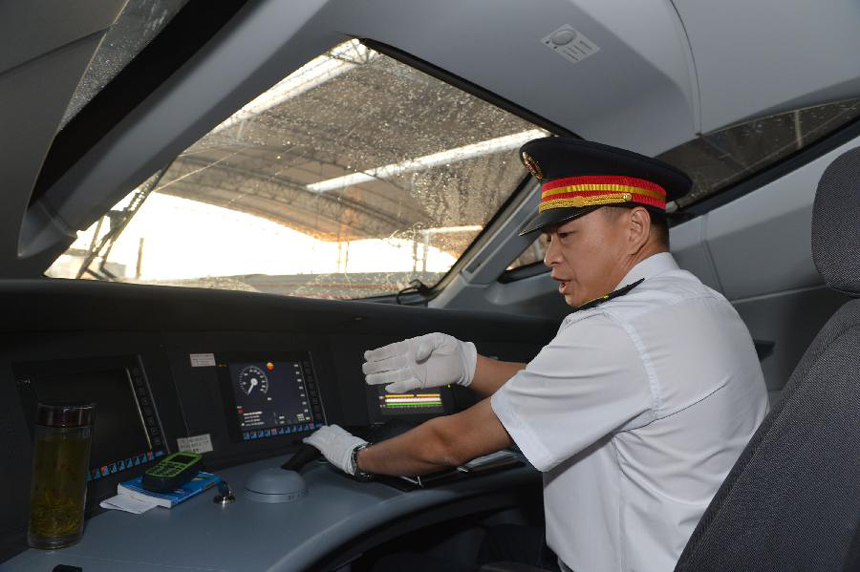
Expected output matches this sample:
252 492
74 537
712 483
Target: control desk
335 522
244 391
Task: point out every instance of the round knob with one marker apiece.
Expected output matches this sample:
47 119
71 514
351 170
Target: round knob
275 486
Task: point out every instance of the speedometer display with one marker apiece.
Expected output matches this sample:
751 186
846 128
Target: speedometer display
253 379
271 396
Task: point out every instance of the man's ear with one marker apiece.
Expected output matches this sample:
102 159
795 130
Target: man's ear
639 228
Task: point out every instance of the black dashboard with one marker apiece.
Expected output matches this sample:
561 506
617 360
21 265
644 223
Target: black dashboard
241 377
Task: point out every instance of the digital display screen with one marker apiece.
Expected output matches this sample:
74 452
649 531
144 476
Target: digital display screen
422 402
271 398
118 430
182 459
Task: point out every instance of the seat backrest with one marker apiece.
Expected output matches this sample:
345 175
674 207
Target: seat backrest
792 500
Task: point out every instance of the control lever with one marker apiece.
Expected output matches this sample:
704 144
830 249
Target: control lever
302 457
374 434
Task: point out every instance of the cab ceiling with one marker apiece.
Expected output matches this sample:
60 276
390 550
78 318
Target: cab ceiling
644 88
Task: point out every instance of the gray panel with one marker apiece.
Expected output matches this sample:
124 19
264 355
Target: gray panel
533 296
42 88
771 55
469 288
790 320
691 251
637 92
30 28
201 535
761 242
505 244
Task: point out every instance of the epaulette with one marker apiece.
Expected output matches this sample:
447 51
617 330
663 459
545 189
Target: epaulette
610 296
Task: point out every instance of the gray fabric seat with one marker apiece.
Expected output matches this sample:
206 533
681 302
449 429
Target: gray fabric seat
792 500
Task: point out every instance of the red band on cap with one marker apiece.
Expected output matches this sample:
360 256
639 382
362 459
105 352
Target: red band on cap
603 180
600 190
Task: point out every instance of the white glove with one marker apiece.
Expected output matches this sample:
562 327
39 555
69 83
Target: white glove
336 445
431 360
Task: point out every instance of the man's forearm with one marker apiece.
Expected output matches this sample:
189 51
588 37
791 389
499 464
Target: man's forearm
438 444
420 451
491 374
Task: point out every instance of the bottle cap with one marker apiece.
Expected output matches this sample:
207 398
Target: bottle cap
65 414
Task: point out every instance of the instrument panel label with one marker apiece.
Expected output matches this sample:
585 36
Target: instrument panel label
202 360
196 444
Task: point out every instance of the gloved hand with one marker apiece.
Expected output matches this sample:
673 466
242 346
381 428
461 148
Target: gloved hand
431 360
336 445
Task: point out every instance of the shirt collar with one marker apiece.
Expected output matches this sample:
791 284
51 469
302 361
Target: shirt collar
651 266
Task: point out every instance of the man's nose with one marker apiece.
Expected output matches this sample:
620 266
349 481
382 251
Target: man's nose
550 257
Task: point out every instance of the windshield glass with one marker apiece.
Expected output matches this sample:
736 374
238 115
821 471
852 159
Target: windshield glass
137 25
718 160
350 178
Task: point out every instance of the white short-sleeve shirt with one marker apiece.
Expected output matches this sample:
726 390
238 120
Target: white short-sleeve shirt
635 412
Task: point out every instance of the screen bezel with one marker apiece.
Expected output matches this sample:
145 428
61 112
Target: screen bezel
225 382
26 379
376 416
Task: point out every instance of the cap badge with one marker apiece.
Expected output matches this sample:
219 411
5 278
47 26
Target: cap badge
532 166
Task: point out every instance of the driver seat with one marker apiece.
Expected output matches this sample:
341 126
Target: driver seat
792 500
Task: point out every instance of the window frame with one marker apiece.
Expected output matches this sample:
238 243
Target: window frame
186 34
119 98
775 170
196 23
788 164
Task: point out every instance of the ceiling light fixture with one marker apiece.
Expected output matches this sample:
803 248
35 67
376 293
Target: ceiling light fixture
426 162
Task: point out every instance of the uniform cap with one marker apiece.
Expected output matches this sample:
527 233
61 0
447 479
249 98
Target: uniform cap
579 176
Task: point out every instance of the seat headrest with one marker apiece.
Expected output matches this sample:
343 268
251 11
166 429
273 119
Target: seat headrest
836 224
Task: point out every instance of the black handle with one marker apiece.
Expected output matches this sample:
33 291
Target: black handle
302 457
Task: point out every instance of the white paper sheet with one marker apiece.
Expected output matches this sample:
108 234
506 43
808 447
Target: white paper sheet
127 504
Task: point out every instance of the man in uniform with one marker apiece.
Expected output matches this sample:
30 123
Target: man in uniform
634 412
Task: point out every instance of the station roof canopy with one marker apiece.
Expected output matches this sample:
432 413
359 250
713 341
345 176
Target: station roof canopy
357 145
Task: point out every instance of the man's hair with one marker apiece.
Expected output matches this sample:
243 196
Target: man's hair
659 226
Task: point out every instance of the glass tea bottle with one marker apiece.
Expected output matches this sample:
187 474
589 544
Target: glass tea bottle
61 458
